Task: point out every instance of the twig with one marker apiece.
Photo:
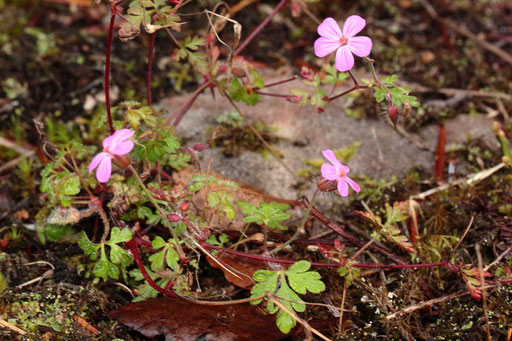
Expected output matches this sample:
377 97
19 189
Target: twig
11 327
497 260
484 291
260 27
340 323
462 31
464 234
468 180
349 237
428 303
307 328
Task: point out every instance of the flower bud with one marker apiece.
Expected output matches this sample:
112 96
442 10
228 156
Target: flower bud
174 218
184 206
325 185
393 114
198 147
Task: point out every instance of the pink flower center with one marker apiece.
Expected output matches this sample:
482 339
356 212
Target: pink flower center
343 41
342 174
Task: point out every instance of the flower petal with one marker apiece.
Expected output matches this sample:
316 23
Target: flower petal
329 28
329 172
329 155
119 136
345 169
361 46
122 148
353 25
324 46
353 184
107 142
344 59
342 188
96 160
104 170
124 134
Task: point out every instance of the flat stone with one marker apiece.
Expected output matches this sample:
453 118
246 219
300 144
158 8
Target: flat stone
383 151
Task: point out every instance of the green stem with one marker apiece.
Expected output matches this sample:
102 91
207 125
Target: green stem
166 221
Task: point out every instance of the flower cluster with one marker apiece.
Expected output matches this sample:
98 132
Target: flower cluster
115 145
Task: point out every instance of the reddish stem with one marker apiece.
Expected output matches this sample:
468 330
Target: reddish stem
347 92
440 154
326 265
279 82
271 94
184 108
132 245
150 65
260 27
347 236
107 72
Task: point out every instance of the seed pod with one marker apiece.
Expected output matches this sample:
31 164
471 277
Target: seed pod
184 206
238 72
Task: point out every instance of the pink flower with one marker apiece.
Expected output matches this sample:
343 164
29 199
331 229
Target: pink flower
333 38
117 144
338 172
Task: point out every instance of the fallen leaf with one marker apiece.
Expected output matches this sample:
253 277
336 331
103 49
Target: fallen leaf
178 319
243 267
21 215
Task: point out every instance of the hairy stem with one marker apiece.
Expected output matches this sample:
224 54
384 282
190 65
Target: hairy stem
150 65
165 219
107 72
132 245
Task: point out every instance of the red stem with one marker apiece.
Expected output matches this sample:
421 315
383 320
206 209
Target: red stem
260 27
132 245
184 108
326 265
107 72
347 92
150 65
279 82
347 236
440 154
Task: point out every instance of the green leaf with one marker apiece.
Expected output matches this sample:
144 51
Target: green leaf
285 322
302 280
104 268
172 258
269 214
157 260
120 236
399 212
267 282
258 80
158 243
87 246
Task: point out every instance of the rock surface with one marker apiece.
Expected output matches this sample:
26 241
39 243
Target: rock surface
304 134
